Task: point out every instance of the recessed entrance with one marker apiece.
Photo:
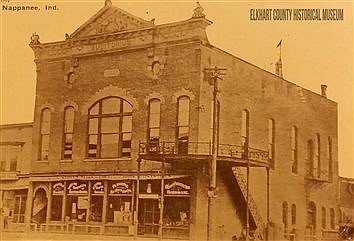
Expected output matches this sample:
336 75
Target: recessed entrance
149 217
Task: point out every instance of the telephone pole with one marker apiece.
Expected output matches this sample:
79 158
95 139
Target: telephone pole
213 75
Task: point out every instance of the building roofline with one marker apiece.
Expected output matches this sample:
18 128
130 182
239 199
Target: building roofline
350 179
268 72
14 125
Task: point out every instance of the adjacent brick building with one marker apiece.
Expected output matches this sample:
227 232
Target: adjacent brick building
122 138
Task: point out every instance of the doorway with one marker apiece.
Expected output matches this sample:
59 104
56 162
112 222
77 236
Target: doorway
148 217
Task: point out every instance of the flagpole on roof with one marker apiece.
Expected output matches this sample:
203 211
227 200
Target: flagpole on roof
278 64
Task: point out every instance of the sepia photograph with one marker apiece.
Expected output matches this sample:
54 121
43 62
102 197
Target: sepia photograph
176 120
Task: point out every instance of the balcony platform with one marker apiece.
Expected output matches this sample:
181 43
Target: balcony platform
196 152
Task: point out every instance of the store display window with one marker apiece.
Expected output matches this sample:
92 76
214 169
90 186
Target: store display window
119 210
77 202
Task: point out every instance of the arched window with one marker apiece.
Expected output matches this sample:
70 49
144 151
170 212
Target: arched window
294 149
311 215
110 128
311 162
68 132
154 120
271 143
318 154
323 218
183 124
293 214
245 121
45 133
329 158
285 214
332 218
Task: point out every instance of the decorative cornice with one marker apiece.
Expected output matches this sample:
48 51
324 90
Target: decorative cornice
111 91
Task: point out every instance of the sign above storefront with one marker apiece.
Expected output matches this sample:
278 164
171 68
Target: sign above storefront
120 188
77 188
58 188
98 188
177 188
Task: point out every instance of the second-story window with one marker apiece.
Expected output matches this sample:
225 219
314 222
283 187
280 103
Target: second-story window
293 214
110 128
183 124
310 159
294 149
68 132
329 158
271 143
318 154
44 134
245 119
285 214
332 218
323 218
154 120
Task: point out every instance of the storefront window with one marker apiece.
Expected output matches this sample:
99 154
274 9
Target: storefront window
119 202
19 211
96 204
57 201
77 202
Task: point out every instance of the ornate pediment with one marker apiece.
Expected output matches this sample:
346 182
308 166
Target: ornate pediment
110 19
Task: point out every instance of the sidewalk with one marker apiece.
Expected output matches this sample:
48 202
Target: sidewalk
45 236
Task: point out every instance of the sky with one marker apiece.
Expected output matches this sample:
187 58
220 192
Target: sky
313 52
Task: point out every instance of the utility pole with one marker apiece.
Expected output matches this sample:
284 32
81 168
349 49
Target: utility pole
213 75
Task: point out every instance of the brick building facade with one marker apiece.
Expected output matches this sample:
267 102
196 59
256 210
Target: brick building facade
122 138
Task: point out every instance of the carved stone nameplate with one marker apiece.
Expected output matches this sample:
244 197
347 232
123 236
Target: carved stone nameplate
111 73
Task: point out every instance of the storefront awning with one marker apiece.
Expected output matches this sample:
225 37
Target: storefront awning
22 183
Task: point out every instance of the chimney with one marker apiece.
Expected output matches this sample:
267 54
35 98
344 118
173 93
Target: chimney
323 90
279 68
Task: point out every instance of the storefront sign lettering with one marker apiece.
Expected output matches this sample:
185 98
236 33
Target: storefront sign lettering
120 188
110 45
98 188
75 188
177 188
58 188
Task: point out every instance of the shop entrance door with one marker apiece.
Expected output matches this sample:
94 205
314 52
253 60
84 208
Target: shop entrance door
149 216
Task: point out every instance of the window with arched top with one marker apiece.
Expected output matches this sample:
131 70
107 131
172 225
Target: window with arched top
294 150
332 218
183 110
285 214
311 215
310 158
329 158
67 151
44 134
323 218
318 154
245 121
154 120
271 142
110 128
293 214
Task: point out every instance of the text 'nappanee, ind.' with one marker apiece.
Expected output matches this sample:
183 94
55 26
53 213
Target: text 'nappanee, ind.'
28 8
295 14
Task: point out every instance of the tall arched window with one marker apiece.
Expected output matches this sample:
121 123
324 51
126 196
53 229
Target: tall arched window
154 120
332 218
285 214
68 132
323 218
311 215
45 133
110 128
329 158
245 123
310 160
318 154
271 143
183 124
294 149
293 214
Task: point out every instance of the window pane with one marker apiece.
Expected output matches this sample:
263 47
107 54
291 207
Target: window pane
95 109
154 120
92 152
109 145
154 107
127 124
110 125
127 107
93 126
45 122
110 105
154 133
45 147
183 111
69 119
183 132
